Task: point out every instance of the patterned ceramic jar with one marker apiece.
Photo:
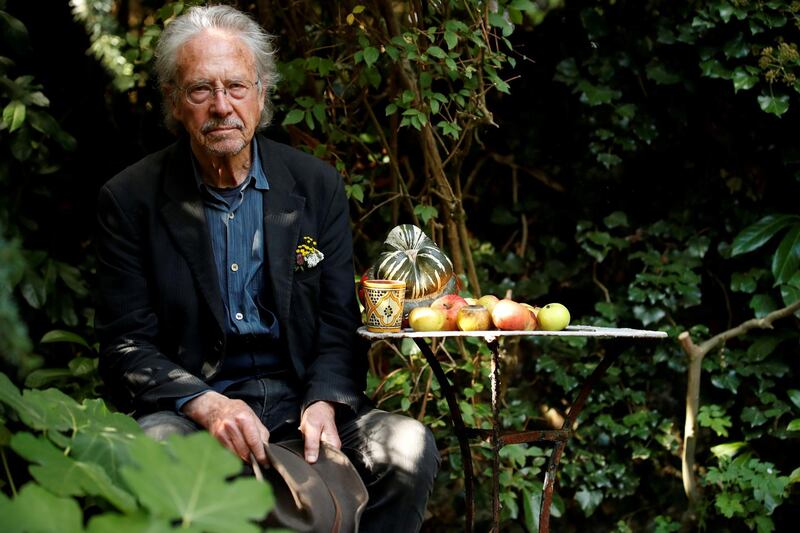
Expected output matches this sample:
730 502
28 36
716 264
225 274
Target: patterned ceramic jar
384 304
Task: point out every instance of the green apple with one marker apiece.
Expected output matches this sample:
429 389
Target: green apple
474 318
553 317
488 301
426 319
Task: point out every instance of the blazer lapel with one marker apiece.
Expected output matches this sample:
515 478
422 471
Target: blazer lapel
185 220
282 215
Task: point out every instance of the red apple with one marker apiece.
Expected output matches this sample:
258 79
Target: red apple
508 315
534 322
426 319
474 318
450 304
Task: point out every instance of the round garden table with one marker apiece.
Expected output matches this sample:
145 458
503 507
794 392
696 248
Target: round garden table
620 338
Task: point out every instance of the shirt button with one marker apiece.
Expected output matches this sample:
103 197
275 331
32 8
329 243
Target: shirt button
231 216
234 267
239 316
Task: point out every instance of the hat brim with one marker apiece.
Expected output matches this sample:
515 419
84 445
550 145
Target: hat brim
326 496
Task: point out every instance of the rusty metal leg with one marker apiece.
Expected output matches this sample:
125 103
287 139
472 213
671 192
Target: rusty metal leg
496 443
574 410
458 426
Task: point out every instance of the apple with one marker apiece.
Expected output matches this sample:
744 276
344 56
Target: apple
553 317
474 318
508 315
488 301
450 304
426 319
533 309
534 323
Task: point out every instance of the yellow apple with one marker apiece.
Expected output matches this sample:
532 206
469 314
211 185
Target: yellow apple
474 318
488 301
426 319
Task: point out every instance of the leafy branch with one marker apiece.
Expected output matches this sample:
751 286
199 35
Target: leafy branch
696 353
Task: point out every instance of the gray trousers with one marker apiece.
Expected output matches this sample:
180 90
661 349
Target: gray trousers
395 455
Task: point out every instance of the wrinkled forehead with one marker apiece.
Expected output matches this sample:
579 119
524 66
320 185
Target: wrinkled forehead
215 55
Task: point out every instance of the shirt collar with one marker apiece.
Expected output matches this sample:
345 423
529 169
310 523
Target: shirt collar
256 171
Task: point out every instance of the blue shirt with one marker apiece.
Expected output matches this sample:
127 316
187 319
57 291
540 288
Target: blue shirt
235 219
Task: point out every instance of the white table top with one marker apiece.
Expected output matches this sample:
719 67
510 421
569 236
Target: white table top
571 331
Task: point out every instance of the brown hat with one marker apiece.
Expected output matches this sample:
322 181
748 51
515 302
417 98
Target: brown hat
325 497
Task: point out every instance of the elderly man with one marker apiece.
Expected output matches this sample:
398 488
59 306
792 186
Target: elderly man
226 279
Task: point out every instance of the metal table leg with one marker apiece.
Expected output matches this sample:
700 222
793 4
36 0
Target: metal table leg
574 410
496 442
458 425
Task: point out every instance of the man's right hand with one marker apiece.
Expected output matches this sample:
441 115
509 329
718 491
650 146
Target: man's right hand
232 422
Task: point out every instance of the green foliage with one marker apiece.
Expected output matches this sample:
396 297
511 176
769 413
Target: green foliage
85 462
14 343
750 44
749 489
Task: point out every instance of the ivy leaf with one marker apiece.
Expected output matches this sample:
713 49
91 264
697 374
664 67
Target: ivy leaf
371 55
794 397
756 235
436 52
659 74
293 117
729 504
595 95
712 416
64 476
729 449
355 192
743 80
777 105
589 500
425 212
762 305
616 219
14 115
59 335
35 509
451 38
787 257
184 480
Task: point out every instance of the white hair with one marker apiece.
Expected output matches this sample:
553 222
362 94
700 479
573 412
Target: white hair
229 20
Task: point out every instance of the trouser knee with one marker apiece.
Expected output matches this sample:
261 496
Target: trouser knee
164 424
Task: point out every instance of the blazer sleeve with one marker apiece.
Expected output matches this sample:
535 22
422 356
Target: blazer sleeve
138 376
338 372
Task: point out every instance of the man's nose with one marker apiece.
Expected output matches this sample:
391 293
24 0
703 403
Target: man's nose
220 104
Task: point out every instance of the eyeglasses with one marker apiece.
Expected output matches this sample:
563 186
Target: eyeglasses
199 93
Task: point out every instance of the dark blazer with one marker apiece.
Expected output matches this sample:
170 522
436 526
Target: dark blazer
160 313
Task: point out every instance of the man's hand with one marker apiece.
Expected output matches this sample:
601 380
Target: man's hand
231 422
319 423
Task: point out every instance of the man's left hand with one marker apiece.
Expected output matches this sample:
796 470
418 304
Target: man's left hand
318 423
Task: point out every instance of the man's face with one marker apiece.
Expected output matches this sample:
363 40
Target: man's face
221 126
